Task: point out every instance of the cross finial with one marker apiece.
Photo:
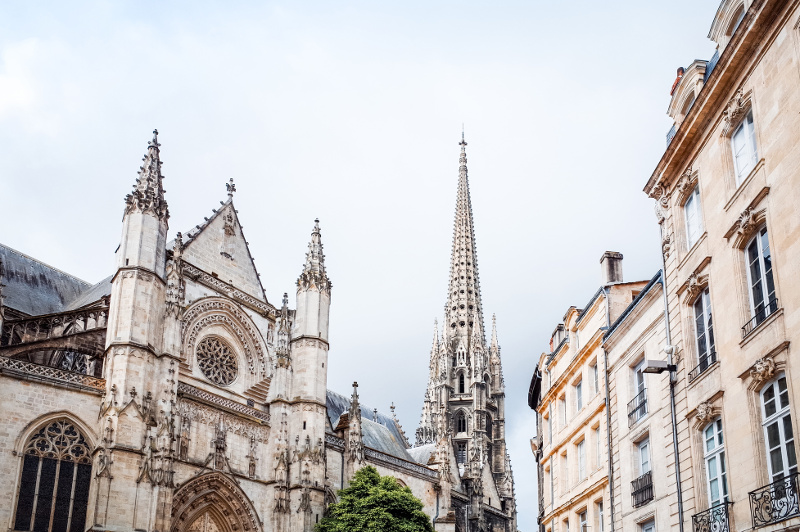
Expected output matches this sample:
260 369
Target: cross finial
231 186
154 142
463 142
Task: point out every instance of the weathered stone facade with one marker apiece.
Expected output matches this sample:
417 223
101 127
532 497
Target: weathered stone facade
173 396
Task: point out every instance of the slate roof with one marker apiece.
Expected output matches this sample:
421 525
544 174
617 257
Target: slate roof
96 292
423 453
35 288
383 435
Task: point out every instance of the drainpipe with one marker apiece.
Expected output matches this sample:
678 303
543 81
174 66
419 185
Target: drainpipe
608 417
670 349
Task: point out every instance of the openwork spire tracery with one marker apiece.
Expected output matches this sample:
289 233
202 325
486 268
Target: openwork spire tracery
314 274
148 192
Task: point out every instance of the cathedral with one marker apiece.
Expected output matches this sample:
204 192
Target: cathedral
172 396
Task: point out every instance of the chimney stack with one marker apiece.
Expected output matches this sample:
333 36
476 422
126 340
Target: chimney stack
611 267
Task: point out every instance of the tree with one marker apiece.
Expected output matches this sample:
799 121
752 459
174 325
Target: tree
374 503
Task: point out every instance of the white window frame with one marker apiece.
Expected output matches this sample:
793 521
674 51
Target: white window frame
583 522
781 419
745 155
649 526
714 457
552 482
693 217
581 449
639 386
596 377
562 406
579 395
565 469
598 447
704 331
644 457
550 423
601 526
760 308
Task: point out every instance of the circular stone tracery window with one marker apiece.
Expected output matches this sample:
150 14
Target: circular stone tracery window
217 361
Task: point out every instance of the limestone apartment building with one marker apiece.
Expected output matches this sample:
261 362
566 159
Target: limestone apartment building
569 395
727 190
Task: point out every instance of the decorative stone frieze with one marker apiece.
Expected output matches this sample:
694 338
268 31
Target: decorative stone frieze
209 416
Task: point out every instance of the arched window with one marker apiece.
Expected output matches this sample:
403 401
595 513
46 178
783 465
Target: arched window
460 383
778 435
461 422
763 301
714 453
54 487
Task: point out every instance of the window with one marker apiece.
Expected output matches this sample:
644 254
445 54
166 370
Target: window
562 406
643 455
461 422
778 434
566 525
460 383
489 426
637 407
598 446
743 142
596 378
579 395
714 452
565 470
649 526
694 218
461 452
583 525
704 332
550 424
582 460
759 277
601 526
54 487
552 482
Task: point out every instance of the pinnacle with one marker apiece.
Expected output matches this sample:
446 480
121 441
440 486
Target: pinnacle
314 269
148 191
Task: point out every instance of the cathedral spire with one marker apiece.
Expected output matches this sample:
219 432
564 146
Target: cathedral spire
148 192
464 311
494 346
314 269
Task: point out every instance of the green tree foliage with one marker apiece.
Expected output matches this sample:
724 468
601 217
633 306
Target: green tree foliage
374 503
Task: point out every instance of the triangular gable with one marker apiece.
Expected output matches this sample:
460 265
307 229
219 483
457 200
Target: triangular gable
219 248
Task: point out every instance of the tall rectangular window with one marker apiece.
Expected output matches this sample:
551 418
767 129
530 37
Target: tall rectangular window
596 378
714 454
778 434
601 526
704 331
643 452
694 218
562 406
582 460
598 449
759 275
579 395
743 142
550 424
583 524
552 482
565 470
461 452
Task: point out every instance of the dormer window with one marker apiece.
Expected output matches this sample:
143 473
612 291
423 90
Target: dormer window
727 20
736 21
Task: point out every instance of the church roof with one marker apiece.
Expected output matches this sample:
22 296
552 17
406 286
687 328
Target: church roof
422 454
35 288
382 435
87 297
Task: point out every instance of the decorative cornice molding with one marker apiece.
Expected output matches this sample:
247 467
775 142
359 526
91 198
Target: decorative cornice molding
211 399
204 278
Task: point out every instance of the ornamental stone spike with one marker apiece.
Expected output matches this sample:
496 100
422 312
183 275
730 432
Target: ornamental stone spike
148 191
314 269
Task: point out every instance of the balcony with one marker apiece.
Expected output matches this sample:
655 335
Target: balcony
706 362
637 408
642 490
714 519
761 314
775 502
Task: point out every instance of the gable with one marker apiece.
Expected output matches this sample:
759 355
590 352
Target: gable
219 248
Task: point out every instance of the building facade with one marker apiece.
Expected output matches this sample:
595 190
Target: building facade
173 396
726 192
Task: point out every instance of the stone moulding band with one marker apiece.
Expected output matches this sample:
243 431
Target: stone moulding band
216 400
334 442
224 288
29 369
393 461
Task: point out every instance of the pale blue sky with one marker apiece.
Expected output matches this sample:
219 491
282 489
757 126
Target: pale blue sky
351 112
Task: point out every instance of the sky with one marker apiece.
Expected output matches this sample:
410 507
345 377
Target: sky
352 112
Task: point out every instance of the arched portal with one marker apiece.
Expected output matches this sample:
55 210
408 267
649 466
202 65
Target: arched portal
213 503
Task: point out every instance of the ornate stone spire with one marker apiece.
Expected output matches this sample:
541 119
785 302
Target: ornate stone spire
314 274
148 192
355 445
494 346
463 310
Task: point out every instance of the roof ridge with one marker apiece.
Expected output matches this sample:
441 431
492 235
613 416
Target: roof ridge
87 283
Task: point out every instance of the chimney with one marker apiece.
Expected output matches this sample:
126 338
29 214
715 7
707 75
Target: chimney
611 267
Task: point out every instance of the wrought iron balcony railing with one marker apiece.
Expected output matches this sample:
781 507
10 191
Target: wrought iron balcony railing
775 502
637 408
642 489
762 313
706 363
715 519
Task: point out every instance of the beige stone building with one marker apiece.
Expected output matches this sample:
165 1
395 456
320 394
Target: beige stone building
173 396
727 191
569 392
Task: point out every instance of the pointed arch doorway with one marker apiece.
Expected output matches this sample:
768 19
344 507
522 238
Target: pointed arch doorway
213 502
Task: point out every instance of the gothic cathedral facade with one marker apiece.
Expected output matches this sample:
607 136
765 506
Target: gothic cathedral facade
173 396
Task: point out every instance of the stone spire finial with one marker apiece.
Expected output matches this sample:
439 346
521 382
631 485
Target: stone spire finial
231 186
494 345
148 192
355 445
314 274
463 311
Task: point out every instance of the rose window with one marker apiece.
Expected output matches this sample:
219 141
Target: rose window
217 361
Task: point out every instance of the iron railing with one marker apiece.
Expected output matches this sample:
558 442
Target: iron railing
710 65
706 362
762 313
642 489
637 408
775 502
715 519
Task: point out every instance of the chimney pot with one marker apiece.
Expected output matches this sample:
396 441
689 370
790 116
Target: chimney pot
611 267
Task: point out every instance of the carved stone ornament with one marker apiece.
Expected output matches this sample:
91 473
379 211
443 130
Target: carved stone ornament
695 286
734 112
705 412
666 245
686 183
763 370
746 222
659 193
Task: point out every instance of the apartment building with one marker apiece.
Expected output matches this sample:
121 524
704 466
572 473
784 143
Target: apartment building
727 191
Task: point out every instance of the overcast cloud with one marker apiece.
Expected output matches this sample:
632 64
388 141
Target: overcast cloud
351 112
